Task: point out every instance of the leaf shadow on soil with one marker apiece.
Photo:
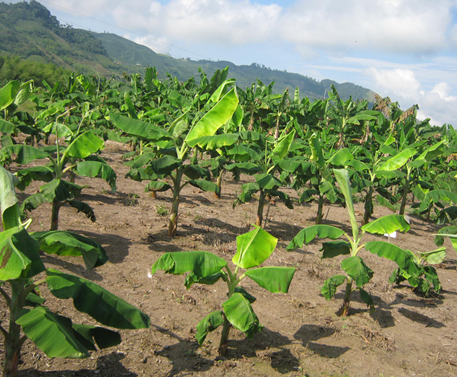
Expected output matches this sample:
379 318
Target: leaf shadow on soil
107 366
186 356
308 334
117 247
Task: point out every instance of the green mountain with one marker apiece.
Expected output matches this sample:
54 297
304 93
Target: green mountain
28 30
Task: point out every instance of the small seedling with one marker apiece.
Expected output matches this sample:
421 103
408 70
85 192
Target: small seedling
161 210
253 248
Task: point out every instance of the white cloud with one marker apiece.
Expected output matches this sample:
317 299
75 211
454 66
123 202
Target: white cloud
399 81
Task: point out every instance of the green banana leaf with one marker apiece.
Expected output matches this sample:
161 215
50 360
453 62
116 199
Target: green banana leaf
97 169
273 279
96 301
25 153
282 148
216 117
8 199
138 128
342 176
200 263
205 185
52 333
253 248
341 157
8 94
388 251
6 127
84 145
88 336
68 243
165 165
19 255
358 270
84 208
268 181
328 290
387 224
240 314
397 161
334 248
208 324
214 142
305 236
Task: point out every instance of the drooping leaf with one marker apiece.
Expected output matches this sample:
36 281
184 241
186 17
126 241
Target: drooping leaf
97 169
397 161
214 142
8 199
96 301
388 251
52 333
357 269
25 153
68 243
239 312
328 290
366 298
200 263
138 128
435 256
208 324
273 279
305 236
205 185
88 336
334 248
19 255
253 248
84 145
84 208
165 165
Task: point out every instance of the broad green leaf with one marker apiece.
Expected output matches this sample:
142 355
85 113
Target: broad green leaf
214 142
25 153
8 199
96 301
366 298
245 294
8 94
273 279
97 169
239 312
208 324
191 279
397 161
51 333
436 196
88 336
357 269
68 243
195 172
200 263
282 148
59 129
6 127
388 251
157 186
84 145
387 224
84 208
305 236
268 181
328 290
165 165
253 248
205 185
334 248
316 151
342 176
138 128
19 255
341 157
435 256
216 117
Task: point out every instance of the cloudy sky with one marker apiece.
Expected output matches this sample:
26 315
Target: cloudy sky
406 49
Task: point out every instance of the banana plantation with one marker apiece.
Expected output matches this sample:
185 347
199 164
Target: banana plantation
314 237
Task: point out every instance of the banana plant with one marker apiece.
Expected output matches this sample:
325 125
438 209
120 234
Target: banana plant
418 272
355 268
263 167
253 248
20 286
170 161
78 157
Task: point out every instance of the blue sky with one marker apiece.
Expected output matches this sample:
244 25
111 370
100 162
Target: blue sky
405 49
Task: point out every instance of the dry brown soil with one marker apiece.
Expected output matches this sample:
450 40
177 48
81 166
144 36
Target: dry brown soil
407 335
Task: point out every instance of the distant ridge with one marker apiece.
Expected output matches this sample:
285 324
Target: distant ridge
30 31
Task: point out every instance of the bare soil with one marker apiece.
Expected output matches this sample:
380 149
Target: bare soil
407 335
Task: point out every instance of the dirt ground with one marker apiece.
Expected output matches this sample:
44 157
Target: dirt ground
407 335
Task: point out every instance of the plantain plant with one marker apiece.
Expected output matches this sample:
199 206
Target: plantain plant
20 285
253 248
355 268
